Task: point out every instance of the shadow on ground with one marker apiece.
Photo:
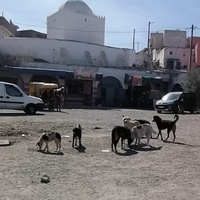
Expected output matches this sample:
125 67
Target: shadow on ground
51 153
144 147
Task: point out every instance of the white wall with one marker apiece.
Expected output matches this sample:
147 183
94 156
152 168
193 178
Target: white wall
90 72
73 25
67 52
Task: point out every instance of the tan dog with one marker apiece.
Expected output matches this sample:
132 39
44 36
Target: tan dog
49 137
145 130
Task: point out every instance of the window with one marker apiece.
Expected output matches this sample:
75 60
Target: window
13 91
171 52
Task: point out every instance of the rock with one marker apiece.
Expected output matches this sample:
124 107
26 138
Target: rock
45 179
4 143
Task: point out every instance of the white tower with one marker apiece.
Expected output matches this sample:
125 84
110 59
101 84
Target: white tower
75 21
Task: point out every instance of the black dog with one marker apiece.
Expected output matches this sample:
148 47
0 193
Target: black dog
77 134
120 132
166 124
143 121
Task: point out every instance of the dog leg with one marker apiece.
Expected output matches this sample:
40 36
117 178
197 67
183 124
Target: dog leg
46 147
174 131
159 133
80 142
56 146
148 138
73 142
112 146
76 141
168 131
122 147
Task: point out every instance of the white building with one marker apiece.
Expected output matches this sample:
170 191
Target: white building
76 21
169 49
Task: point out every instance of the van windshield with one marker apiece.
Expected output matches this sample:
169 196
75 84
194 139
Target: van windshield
171 96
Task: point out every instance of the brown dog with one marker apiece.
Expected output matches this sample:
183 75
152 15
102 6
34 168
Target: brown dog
166 124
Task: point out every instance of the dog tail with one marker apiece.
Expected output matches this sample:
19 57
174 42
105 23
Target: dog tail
176 117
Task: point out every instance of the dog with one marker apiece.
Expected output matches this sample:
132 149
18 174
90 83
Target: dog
77 134
120 132
49 137
145 130
166 124
128 123
131 123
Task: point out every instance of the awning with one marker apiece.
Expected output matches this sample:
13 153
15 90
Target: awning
44 72
140 80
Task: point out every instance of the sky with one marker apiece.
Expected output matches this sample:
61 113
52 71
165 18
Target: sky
122 17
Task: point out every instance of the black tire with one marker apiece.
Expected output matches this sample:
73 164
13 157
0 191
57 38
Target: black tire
30 109
158 111
175 110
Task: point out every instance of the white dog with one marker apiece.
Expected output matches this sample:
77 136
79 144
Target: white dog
48 137
128 123
145 130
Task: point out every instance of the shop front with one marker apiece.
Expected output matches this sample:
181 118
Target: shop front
142 90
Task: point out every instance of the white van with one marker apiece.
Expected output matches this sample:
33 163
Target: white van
12 97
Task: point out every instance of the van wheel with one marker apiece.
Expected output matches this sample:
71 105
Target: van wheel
30 109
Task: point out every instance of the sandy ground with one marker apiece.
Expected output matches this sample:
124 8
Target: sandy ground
167 170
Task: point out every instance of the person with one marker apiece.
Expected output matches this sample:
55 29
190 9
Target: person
51 100
44 97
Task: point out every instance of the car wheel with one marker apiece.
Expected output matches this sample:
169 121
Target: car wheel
175 110
30 109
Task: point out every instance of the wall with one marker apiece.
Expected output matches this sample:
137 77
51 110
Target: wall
177 53
175 38
72 25
67 52
156 41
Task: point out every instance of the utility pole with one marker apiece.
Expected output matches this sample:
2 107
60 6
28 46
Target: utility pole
148 37
134 39
191 47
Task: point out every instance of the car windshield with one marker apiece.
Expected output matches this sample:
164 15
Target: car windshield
171 96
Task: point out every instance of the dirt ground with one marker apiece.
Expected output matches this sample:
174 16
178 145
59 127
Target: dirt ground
167 170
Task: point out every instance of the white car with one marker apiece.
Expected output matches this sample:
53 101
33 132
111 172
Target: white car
12 97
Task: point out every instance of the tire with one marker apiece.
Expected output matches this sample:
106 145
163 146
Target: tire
30 109
175 110
158 111
192 111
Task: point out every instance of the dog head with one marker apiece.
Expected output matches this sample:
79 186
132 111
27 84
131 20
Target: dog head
41 140
126 119
78 126
156 118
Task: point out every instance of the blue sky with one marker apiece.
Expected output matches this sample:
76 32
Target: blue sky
121 17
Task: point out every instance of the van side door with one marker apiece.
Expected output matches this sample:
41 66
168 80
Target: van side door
2 97
14 97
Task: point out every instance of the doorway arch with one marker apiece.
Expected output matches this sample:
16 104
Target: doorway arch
110 92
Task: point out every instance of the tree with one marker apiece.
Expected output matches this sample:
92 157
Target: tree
193 83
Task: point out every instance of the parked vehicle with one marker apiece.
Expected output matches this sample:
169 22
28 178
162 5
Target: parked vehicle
12 97
177 102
